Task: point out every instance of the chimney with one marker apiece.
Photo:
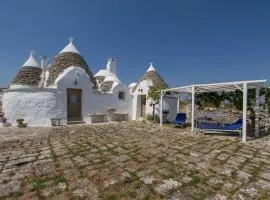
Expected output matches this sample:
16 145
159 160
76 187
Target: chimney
111 65
44 63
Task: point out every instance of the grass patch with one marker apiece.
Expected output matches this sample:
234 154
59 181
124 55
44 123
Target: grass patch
37 185
110 197
147 197
196 178
132 194
162 159
234 174
5 181
133 177
59 179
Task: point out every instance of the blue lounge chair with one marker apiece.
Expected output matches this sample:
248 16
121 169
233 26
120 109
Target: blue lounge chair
180 119
231 127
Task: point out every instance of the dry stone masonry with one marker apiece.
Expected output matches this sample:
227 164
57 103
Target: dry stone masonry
130 160
28 76
65 60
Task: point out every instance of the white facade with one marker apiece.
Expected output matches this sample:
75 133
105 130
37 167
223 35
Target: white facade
37 105
169 102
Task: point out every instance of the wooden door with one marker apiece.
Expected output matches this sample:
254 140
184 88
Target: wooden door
143 105
74 109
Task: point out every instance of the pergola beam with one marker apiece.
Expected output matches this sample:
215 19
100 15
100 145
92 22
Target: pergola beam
218 87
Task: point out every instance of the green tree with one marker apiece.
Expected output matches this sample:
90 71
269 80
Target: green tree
154 96
212 98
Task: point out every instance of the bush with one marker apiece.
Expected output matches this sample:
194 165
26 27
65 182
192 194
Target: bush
150 117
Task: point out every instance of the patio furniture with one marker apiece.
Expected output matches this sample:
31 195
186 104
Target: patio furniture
180 119
222 128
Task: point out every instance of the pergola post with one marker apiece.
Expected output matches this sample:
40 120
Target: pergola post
178 103
192 108
266 112
257 112
244 133
161 109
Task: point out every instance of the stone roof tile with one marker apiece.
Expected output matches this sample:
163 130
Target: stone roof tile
156 79
28 75
65 60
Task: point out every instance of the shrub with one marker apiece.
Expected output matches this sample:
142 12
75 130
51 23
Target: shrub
149 117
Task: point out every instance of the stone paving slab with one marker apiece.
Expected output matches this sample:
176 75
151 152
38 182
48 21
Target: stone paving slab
131 160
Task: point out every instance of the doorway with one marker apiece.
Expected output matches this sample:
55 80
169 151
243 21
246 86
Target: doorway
74 108
143 105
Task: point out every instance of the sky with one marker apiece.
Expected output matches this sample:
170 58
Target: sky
191 41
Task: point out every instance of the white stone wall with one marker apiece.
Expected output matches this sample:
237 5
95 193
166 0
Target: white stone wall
35 106
169 103
66 80
123 106
38 105
92 102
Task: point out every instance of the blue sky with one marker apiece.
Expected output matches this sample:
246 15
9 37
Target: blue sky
191 41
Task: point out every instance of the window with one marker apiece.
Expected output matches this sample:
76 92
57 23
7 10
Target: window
121 95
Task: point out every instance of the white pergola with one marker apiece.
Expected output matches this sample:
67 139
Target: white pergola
220 87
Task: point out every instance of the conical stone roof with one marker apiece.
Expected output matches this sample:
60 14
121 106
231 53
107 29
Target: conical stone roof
29 74
152 74
68 57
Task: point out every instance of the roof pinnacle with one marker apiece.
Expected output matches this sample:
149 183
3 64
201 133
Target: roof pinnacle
70 47
31 61
32 52
151 68
71 39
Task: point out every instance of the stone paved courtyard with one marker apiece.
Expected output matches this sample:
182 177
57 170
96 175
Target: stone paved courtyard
130 160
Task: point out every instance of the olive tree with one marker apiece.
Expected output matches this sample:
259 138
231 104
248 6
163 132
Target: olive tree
154 96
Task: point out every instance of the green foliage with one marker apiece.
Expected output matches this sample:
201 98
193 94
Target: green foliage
235 98
110 197
36 185
211 97
21 123
154 94
266 92
59 179
154 118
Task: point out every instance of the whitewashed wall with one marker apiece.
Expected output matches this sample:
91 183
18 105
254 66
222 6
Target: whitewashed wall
35 106
38 105
123 106
66 80
92 102
169 103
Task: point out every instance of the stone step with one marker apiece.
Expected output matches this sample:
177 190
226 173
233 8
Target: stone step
75 122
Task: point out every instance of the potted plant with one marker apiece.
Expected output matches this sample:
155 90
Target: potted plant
21 123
